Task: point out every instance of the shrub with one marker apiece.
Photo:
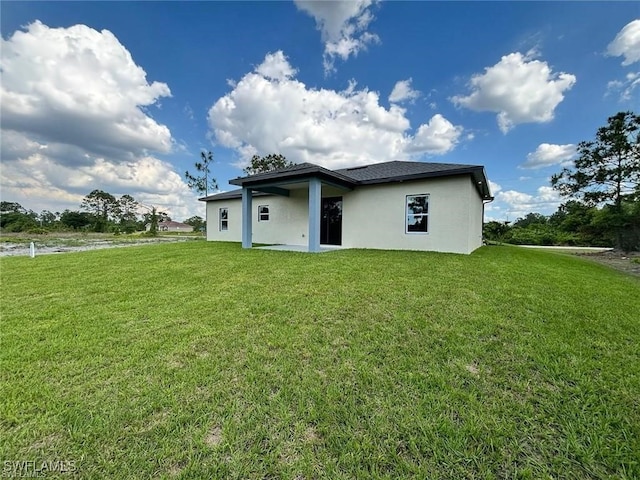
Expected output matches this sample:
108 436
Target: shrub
37 231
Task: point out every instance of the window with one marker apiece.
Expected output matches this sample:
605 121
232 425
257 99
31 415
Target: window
417 214
224 220
263 213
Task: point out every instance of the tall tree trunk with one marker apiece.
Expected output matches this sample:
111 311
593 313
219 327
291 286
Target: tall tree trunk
618 203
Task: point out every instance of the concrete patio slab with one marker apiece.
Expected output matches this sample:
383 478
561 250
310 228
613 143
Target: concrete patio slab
300 248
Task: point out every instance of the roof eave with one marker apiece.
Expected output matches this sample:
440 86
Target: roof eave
231 195
209 197
482 183
274 178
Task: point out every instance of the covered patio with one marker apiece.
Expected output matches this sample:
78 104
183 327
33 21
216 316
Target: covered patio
301 176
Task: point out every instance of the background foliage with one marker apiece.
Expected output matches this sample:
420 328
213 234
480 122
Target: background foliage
99 212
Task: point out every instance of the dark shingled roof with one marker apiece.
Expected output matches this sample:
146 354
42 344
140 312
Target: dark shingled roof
390 171
386 172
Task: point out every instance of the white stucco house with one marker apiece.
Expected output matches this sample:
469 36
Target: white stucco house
393 206
171 226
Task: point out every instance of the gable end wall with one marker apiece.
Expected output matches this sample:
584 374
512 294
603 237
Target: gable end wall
374 216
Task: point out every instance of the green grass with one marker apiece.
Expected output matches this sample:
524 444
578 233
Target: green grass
202 360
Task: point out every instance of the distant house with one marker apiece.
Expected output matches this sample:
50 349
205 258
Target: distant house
171 227
392 205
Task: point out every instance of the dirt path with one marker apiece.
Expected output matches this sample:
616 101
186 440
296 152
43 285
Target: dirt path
625 262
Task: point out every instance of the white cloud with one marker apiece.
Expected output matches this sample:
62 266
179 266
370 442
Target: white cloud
39 180
330 128
494 187
275 67
188 111
548 195
513 197
402 92
85 80
74 119
519 89
625 87
439 136
343 24
514 204
548 154
627 43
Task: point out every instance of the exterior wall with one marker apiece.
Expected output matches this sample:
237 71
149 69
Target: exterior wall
288 219
476 219
374 216
234 233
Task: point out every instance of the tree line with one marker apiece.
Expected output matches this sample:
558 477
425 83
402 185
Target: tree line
99 211
603 191
573 224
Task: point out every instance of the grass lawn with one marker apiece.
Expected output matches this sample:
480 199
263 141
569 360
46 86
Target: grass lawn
202 360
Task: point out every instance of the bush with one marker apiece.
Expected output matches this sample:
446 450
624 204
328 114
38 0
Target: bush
569 239
532 235
128 228
37 231
16 222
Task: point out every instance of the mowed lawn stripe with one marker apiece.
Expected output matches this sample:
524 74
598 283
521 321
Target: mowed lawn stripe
204 360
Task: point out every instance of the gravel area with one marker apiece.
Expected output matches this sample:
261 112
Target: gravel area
625 262
628 262
47 246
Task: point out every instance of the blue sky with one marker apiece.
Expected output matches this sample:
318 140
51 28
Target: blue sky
123 96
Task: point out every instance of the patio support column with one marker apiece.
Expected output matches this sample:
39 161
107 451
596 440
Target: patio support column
247 221
315 199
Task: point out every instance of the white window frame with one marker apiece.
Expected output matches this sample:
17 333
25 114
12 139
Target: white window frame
268 214
223 227
415 215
